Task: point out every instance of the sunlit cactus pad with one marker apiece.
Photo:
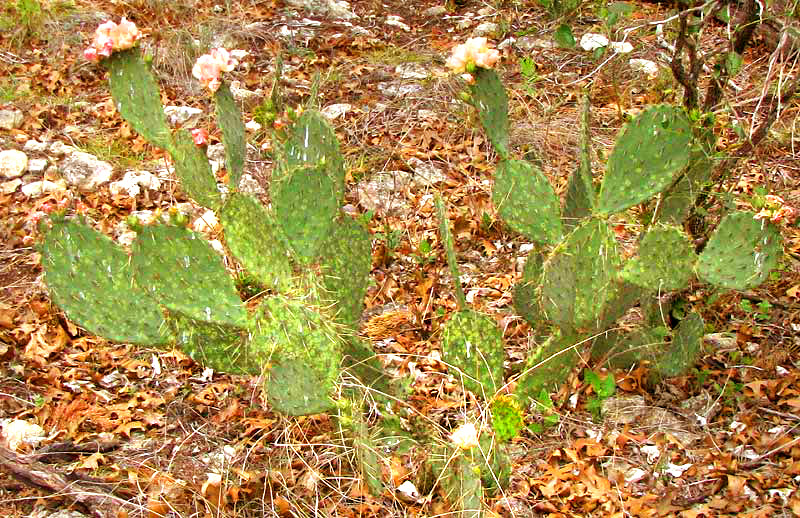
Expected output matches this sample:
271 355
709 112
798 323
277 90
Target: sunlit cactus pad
473 344
526 201
548 365
194 171
229 118
178 268
490 99
741 252
90 278
312 142
651 150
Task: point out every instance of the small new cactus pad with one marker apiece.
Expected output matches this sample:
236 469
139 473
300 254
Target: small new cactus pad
229 119
527 202
306 204
89 277
490 99
136 96
741 252
306 354
367 457
651 150
179 269
526 294
548 365
507 418
311 141
577 278
494 463
579 201
682 352
346 259
222 348
450 251
461 482
666 260
360 361
194 171
473 344
254 237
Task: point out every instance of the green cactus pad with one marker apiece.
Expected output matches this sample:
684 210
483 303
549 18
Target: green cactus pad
623 348
360 361
666 260
229 119
687 341
369 461
652 149
526 294
490 99
450 251
254 237
547 366
578 275
307 353
306 204
312 142
473 344
496 473
179 269
579 201
89 277
194 171
678 201
621 297
136 96
741 252
507 418
527 202
222 348
461 482
346 261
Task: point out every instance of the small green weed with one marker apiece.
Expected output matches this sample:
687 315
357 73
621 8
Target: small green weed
550 417
760 312
603 388
424 254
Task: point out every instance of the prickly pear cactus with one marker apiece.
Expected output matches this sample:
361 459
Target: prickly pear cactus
136 96
305 355
254 237
526 297
665 262
490 99
580 198
229 118
548 365
687 341
473 343
90 278
652 149
507 418
526 201
741 252
194 171
179 268
312 142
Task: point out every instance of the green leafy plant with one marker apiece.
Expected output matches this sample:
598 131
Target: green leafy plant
544 405
603 389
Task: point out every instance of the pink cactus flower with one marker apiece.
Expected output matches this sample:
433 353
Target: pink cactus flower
200 137
109 37
208 68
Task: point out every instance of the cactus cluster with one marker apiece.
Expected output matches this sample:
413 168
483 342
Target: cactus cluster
173 288
576 284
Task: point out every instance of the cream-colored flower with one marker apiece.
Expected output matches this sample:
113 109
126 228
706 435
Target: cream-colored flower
208 67
124 35
109 37
465 436
475 51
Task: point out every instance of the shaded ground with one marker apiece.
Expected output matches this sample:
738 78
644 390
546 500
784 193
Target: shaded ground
720 442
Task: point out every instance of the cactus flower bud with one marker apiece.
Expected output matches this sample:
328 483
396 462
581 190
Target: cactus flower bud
465 436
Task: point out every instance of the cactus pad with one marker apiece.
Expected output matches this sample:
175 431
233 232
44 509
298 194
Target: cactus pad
665 262
450 251
579 201
507 418
306 355
527 202
306 204
526 294
473 344
547 366
222 348
577 278
741 252
651 150
311 141
254 237
194 171
679 199
346 262
490 99
179 269
89 277
136 96
687 340
229 119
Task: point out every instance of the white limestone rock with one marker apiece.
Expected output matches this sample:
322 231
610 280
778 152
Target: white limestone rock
13 163
85 171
